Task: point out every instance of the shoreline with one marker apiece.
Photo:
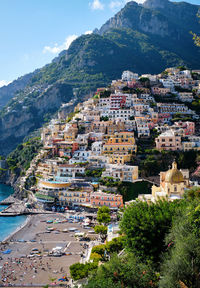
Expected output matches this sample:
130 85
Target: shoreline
26 222
39 267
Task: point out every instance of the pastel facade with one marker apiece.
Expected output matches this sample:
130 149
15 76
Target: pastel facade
78 193
168 141
192 143
113 114
65 171
52 188
119 158
186 96
188 127
98 199
124 173
128 76
172 108
160 90
120 143
97 147
172 185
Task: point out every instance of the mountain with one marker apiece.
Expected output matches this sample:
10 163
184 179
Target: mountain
8 92
142 38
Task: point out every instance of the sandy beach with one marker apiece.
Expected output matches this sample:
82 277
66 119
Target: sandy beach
18 269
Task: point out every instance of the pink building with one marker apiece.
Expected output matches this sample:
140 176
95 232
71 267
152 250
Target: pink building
168 141
164 117
189 127
99 199
160 90
117 100
133 84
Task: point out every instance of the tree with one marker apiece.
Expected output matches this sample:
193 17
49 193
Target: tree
126 271
80 271
99 249
115 245
182 262
100 229
146 225
103 215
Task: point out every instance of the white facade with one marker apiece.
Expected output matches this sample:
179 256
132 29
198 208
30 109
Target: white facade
186 96
128 76
97 147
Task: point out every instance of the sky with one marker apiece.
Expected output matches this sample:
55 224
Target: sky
33 32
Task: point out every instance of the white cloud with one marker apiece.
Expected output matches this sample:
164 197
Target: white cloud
118 4
114 5
88 32
58 48
138 1
4 83
96 5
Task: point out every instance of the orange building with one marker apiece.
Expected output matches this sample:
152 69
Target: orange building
99 199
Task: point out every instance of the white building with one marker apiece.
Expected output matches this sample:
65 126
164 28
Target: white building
125 173
123 114
97 147
128 76
186 96
142 128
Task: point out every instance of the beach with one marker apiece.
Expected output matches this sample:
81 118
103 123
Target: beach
19 267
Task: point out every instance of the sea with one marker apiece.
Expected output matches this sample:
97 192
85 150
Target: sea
8 224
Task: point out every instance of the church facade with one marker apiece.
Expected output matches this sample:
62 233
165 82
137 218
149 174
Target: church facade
172 185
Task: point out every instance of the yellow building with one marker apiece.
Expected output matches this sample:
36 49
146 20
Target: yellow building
76 194
122 142
107 127
189 145
70 134
172 185
119 158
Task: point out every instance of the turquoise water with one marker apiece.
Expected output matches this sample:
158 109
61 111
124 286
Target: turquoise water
8 224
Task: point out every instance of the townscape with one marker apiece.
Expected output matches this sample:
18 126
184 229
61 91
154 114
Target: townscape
86 160
99 139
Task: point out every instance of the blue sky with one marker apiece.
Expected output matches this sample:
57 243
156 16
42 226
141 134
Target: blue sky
33 32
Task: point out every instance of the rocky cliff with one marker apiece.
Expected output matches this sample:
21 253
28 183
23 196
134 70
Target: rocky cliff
18 123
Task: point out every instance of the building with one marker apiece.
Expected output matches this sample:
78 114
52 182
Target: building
125 173
77 194
97 147
188 127
98 199
122 142
119 158
192 143
115 113
51 188
186 96
160 91
168 141
172 185
128 76
173 108
142 127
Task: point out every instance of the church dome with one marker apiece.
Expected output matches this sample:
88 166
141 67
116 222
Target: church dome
173 175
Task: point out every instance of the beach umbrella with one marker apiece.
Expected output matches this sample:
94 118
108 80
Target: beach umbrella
7 251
